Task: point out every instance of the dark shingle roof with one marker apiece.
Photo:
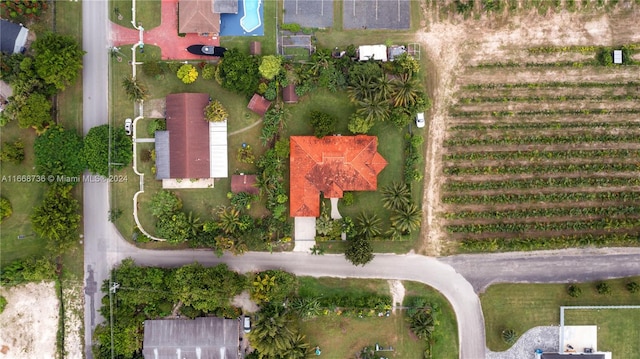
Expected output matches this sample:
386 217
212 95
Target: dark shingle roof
202 338
163 155
189 135
9 34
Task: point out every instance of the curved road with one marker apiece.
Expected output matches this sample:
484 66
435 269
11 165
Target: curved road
457 277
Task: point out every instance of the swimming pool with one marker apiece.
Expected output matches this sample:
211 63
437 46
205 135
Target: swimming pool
247 22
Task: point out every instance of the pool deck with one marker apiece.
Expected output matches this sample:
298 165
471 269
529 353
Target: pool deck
165 36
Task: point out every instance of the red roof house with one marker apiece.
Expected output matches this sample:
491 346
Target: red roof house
259 104
289 94
331 165
244 183
203 16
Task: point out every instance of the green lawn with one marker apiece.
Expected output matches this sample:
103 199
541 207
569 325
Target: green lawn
200 201
618 329
342 337
23 196
523 306
147 13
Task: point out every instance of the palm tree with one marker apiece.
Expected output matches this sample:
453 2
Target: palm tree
364 87
422 324
373 109
135 90
193 224
383 87
272 334
298 348
320 60
368 225
229 220
407 218
405 91
396 195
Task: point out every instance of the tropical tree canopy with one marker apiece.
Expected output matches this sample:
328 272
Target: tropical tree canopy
96 145
35 112
215 112
59 152
57 218
58 59
270 66
239 72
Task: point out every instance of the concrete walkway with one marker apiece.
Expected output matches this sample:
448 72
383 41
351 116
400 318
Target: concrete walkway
145 140
335 214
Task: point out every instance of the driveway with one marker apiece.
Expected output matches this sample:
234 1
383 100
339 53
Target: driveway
165 36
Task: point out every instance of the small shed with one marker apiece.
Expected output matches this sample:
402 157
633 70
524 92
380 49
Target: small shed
375 52
617 57
289 94
255 48
259 104
244 183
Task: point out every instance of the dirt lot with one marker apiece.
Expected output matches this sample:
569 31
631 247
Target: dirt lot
29 322
454 44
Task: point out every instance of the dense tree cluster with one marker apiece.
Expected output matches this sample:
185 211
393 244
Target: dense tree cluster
12 152
150 293
57 219
238 72
96 149
59 152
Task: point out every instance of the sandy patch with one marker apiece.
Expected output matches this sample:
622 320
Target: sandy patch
73 297
30 321
397 293
243 301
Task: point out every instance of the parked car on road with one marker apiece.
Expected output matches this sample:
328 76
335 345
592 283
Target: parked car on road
207 50
128 126
420 120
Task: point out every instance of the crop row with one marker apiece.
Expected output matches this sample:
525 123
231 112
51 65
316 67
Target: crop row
539 197
566 112
541 183
540 98
595 224
541 155
514 139
629 210
554 125
553 84
555 242
541 168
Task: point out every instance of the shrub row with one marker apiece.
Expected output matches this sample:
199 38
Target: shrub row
534 99
629 210
554 242
516 139
552 84
596 224
541 155
541 197
541 168
586 111
553 125
456 186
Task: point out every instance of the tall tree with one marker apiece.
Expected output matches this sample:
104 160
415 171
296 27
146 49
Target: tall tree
359 250
97 149
395 196
58 59
270 66
35 112
239 72
57 218
406 91
135 89
368 226
373 109
59 152
407 219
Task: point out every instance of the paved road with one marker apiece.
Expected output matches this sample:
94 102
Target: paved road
558 266
96 195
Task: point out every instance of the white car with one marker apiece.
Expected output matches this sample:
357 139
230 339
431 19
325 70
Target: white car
420 120
247 324
128 127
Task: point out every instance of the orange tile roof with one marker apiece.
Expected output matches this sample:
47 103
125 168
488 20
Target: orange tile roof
197 16
331 165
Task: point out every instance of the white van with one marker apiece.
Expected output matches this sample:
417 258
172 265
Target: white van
247 324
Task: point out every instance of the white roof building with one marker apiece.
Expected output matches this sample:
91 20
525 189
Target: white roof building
375 52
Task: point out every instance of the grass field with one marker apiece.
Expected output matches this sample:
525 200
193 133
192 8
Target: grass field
268 41
618 329
147 13
523 306
342 337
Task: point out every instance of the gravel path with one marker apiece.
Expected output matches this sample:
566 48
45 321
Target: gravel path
545 338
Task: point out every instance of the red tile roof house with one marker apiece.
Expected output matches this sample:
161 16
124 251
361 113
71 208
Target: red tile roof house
203 16
191 147
331 165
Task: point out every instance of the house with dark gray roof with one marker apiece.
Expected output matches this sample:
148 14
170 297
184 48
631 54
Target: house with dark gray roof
201 338
191 147
13 37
